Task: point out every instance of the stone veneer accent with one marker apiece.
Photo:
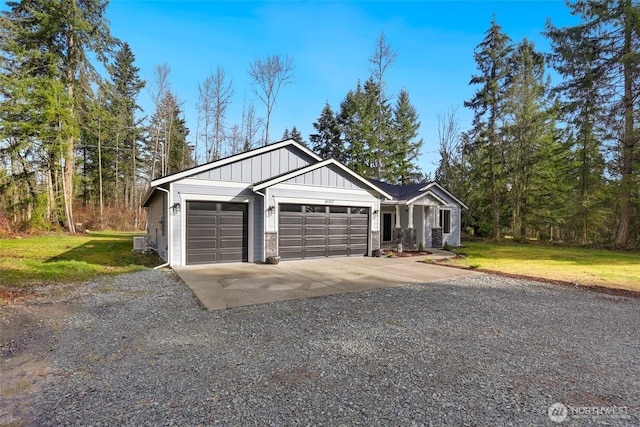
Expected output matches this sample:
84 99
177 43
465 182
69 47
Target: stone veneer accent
436 238
271 243
375 240
406 236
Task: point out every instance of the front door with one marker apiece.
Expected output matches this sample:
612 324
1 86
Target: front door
387 227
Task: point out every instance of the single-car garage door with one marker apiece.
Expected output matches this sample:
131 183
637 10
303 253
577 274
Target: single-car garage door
314 231
216 232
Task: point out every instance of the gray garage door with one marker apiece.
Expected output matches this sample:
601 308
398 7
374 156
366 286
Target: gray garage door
216 232
314 231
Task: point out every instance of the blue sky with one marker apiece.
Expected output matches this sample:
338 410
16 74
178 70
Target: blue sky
330 43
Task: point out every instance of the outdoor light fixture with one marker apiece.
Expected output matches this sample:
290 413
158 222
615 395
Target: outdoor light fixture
175 208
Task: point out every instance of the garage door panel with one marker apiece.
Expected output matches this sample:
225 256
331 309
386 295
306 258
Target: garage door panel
315 241
315 231
289 220
313 252
339 251
312 219
335 220
339 240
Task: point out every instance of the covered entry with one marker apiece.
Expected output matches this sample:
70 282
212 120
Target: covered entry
216 232
314 231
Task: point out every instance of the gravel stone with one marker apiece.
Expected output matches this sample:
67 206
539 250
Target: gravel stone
139 350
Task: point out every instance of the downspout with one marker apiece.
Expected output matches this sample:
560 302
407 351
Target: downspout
166 264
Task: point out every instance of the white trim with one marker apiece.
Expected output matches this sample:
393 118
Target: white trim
428 193
233 159
319 189
319 165
207 183
432 184
450 220
188 197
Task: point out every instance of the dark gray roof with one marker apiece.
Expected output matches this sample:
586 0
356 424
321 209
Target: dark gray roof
401 192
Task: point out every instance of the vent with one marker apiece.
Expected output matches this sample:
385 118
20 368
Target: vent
139 243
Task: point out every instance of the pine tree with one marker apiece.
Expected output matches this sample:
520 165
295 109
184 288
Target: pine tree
529 135
601 65
327 142
399 163
64 33
491 57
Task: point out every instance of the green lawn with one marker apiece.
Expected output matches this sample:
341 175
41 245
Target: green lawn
42 260
588 267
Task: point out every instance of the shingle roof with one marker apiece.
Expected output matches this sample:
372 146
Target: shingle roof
400 192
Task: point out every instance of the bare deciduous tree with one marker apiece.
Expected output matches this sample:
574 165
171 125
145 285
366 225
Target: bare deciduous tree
269 75
215 95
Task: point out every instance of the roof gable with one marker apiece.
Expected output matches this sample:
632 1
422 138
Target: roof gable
323 173
226 166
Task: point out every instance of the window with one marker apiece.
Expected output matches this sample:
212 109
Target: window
338 209
290 208
445 221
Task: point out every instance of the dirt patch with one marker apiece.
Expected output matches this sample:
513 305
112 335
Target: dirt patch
28 334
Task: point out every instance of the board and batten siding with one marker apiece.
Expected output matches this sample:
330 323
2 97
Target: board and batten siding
157 225
260 167
326 177
453 238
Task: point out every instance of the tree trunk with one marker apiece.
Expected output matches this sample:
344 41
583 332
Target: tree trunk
622 239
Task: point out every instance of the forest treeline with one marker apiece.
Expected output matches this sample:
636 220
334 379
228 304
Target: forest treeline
548 161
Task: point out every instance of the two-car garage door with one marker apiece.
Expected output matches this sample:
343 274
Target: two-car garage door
314 231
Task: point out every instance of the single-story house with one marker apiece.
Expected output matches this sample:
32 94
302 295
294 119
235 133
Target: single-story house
417 215
280 200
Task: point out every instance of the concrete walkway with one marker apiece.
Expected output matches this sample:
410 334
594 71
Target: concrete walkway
240 284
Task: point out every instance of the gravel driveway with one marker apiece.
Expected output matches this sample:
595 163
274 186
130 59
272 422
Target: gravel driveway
481 350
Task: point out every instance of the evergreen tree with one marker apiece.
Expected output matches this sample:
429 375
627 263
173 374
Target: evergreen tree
61 35
529 138
327 142
404 148
126 86
357 121
601 65
491 57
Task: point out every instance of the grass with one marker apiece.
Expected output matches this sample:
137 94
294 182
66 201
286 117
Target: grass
583 266
67 258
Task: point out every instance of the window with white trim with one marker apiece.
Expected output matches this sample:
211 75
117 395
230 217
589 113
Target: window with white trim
445 220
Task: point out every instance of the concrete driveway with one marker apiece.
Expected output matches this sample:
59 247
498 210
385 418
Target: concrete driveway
241 284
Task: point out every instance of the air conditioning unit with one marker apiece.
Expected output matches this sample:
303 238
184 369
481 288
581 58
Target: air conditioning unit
139 243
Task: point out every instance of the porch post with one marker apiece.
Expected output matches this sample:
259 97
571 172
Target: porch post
411 215
397 216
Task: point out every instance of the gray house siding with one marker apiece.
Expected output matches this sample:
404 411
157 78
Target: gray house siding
453 238
157 225
326 177
260 167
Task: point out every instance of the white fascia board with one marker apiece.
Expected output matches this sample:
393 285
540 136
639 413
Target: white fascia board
444 190
319 165
428 193
233 159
